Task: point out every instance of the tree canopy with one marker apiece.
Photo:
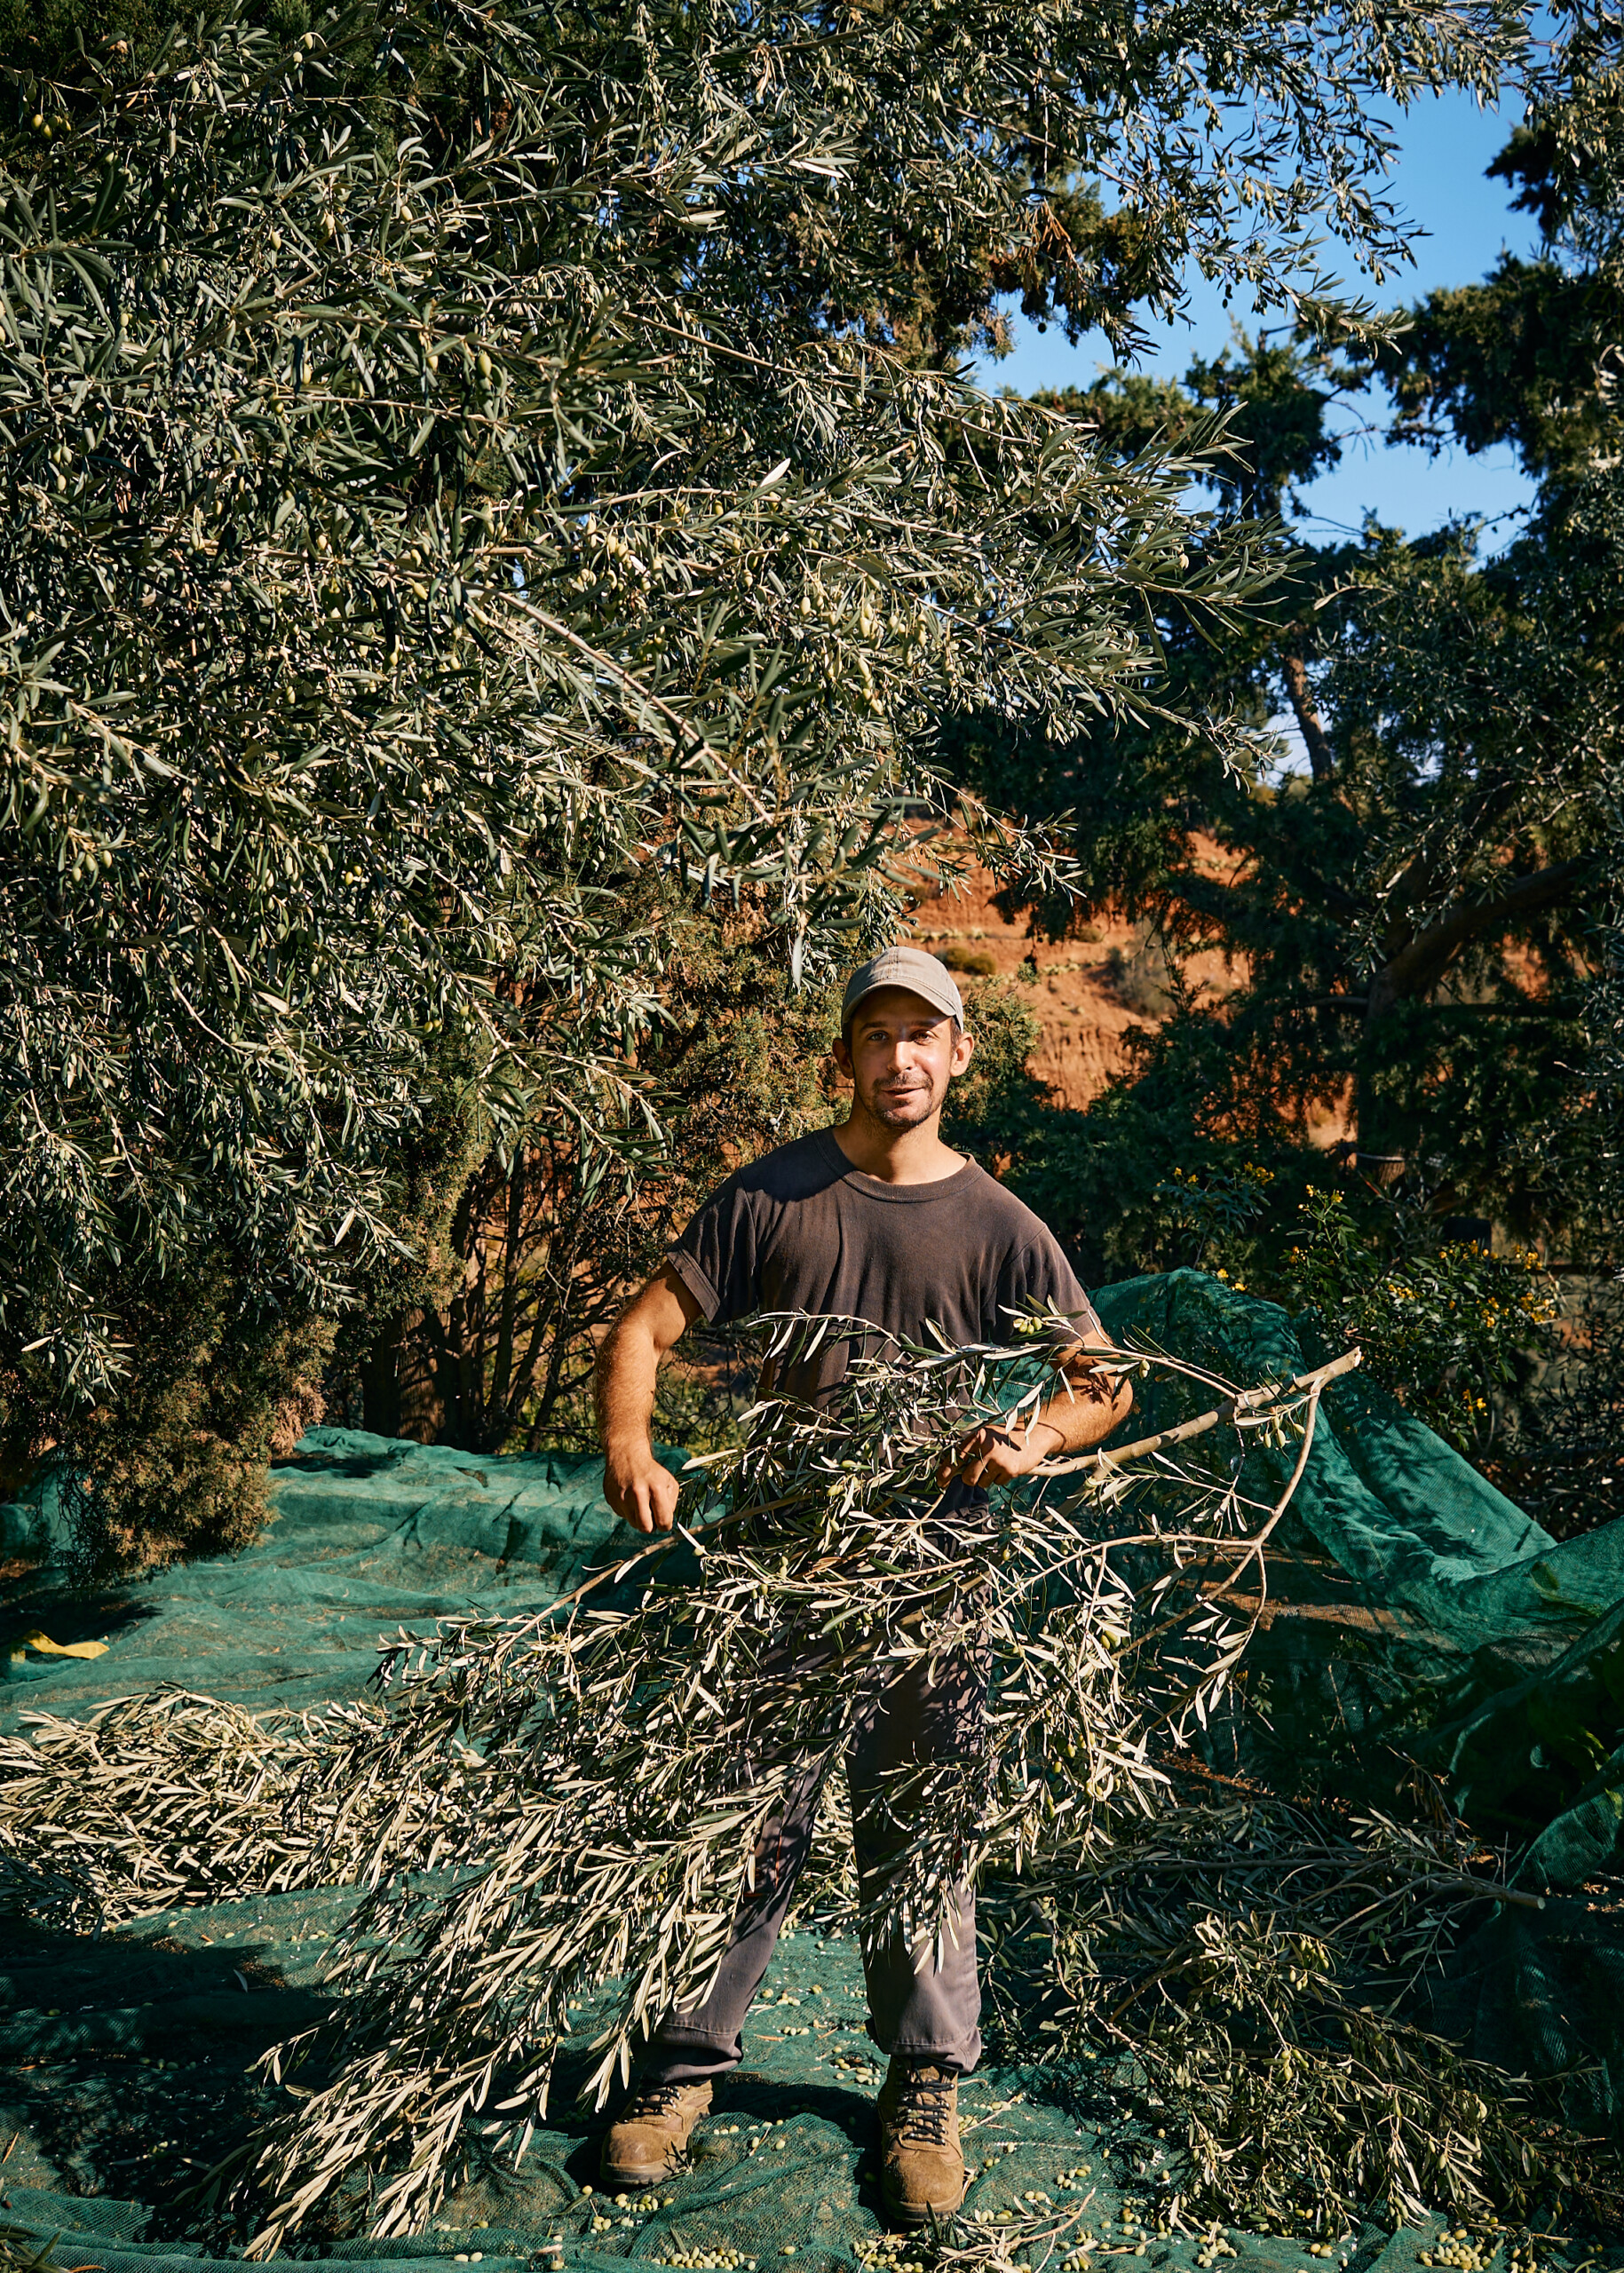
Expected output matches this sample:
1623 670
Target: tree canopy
1410 908
474 476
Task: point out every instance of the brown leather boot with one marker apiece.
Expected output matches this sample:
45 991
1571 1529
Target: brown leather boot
921 2167
650 2135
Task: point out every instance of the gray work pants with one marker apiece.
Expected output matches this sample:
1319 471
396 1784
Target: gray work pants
921 2011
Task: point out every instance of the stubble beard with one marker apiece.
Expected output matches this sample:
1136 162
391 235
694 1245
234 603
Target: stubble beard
897 1109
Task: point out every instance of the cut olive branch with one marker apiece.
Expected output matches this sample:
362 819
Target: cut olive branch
1246 1408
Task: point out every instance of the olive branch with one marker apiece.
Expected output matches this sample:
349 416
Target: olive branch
603 1832
538 1810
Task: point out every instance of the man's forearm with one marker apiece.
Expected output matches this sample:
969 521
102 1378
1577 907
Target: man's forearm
623 1388
642 1492
1082 1414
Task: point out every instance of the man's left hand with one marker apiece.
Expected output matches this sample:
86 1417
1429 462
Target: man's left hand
995 1454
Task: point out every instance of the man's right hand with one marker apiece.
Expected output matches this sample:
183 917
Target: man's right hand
641 1493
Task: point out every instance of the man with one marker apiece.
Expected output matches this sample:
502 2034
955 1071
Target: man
877 1219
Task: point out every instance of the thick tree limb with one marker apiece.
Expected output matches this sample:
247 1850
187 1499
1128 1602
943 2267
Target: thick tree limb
1415 967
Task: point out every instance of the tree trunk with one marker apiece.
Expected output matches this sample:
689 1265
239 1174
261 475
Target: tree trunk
1413 969
380 1381
1300 693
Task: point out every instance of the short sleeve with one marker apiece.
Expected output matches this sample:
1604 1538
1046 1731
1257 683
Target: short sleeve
716 1257
1038 1276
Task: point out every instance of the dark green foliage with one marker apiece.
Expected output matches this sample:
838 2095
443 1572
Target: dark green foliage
1444 1323
1526 354
178 1465
1279 392
45 41
1514 359
1564 1458
1411 921
1102 1179
1157 1176
1522 1746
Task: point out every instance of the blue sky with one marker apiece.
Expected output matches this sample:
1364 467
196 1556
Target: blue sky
1461 221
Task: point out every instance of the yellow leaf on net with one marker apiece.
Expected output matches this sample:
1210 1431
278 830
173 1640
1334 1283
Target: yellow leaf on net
47 1648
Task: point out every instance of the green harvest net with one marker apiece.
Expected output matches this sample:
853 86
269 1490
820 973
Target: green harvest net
125 2058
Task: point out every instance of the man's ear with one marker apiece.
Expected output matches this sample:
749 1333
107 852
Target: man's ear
840 1050
964 1050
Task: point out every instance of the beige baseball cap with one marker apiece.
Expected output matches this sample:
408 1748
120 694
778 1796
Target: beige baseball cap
910 967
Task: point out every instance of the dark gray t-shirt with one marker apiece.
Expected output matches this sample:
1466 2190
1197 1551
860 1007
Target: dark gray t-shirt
802 1230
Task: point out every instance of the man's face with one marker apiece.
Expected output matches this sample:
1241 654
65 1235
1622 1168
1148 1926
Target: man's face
901 1054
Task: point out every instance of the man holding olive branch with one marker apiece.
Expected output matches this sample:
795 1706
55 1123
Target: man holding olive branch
877 1220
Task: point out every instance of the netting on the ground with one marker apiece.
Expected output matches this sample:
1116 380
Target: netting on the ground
125 2057
116 2106
1401 1511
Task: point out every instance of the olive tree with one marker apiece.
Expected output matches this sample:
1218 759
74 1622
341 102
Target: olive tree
471 473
